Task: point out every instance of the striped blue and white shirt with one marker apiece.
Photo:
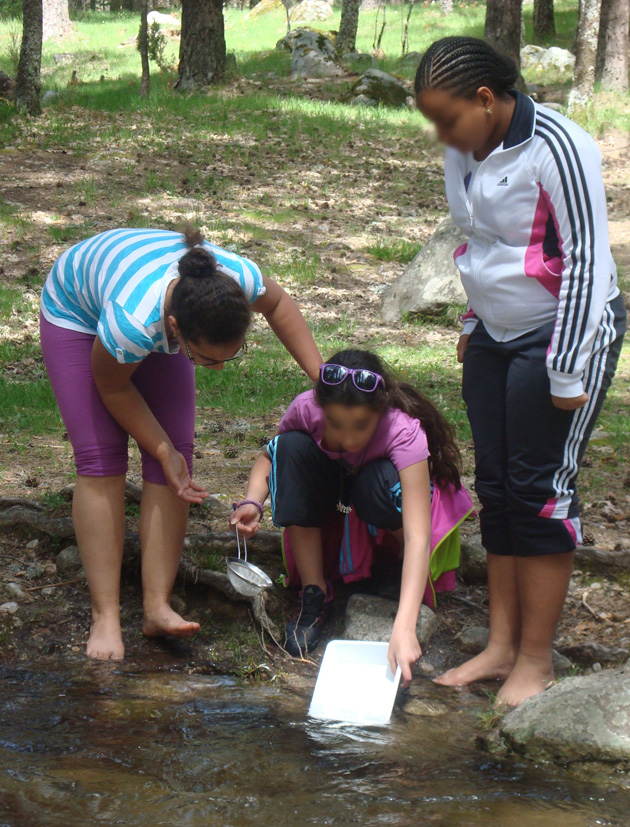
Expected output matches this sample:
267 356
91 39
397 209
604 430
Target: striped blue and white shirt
114 285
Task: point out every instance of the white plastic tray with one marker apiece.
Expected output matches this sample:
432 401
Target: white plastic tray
355 684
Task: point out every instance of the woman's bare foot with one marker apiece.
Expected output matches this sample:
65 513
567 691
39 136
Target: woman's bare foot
494 663
162 621
105 641
528 678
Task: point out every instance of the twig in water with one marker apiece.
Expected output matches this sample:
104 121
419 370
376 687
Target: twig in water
590 609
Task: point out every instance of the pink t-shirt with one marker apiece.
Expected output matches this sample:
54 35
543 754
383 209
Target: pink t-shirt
398 436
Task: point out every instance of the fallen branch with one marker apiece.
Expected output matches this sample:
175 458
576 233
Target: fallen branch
54 585
590 609
31 517
9 502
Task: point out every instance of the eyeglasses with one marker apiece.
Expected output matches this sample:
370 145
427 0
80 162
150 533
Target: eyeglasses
363 380
208 363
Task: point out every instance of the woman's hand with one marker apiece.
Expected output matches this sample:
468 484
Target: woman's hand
571 403
462 344
178 478
404 651
246 518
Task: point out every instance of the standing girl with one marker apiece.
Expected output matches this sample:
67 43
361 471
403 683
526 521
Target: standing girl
360 441
541 337
125 316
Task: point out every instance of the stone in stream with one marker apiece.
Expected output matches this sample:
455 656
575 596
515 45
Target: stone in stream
371 618
475 640
431 282
68 562
380 88
424 708
579 723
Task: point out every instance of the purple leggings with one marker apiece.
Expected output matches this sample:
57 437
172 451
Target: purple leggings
166 382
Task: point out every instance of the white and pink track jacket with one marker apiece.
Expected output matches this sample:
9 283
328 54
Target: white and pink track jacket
538 250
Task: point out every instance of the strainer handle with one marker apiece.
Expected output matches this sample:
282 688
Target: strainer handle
238 544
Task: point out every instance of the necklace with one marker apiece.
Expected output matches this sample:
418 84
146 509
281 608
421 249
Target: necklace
342 507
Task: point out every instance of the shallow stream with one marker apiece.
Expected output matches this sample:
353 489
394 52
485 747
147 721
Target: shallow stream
90 744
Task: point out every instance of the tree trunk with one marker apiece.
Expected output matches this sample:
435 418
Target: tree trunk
581 94
56 19
544 20
202 54
347 37
27 82
503 27
613 44
143 47
446 6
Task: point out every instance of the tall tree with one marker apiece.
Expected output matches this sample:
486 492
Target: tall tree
27 82
613 44
143 48
347 37
503 27
202 53
56 19
586 40
543 19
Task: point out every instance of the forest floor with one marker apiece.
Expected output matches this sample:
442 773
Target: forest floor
333 202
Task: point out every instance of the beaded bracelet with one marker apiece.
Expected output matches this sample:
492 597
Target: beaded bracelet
250 502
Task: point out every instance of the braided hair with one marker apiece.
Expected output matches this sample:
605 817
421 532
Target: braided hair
208 305
462 65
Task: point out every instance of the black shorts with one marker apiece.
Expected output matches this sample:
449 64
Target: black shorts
306 485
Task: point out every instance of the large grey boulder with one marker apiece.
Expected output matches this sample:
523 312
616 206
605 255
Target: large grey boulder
308 11
548 61
372 618
379 87
313 55
431 281
582 723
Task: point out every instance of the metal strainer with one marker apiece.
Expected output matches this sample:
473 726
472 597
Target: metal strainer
245 577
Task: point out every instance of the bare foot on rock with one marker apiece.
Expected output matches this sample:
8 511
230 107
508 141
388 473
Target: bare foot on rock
494 663
105 641
163 621
528 678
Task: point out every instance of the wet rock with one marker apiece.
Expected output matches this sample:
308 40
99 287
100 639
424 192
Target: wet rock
32 544
309 11
300 684
9 608
379 87
579 722
547 61
424 708
178 604
431 281
473 561
68 562
371 618
475 640
313 55
592 652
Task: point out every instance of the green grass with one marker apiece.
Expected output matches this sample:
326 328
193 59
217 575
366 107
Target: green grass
398 249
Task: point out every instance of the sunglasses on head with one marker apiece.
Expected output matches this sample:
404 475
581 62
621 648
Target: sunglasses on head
363 380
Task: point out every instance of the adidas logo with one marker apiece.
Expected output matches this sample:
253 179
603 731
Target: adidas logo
503 182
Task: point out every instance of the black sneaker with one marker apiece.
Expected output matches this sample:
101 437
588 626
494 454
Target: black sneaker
304 630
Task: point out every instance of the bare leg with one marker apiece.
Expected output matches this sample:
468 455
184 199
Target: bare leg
542 585
498 658
306 545
163 518
98 513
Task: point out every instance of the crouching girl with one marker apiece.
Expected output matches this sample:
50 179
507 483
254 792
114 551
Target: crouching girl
359 447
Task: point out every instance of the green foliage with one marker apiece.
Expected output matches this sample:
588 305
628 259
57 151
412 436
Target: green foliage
398 249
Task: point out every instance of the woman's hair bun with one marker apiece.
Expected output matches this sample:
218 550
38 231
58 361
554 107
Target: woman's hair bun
197 263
